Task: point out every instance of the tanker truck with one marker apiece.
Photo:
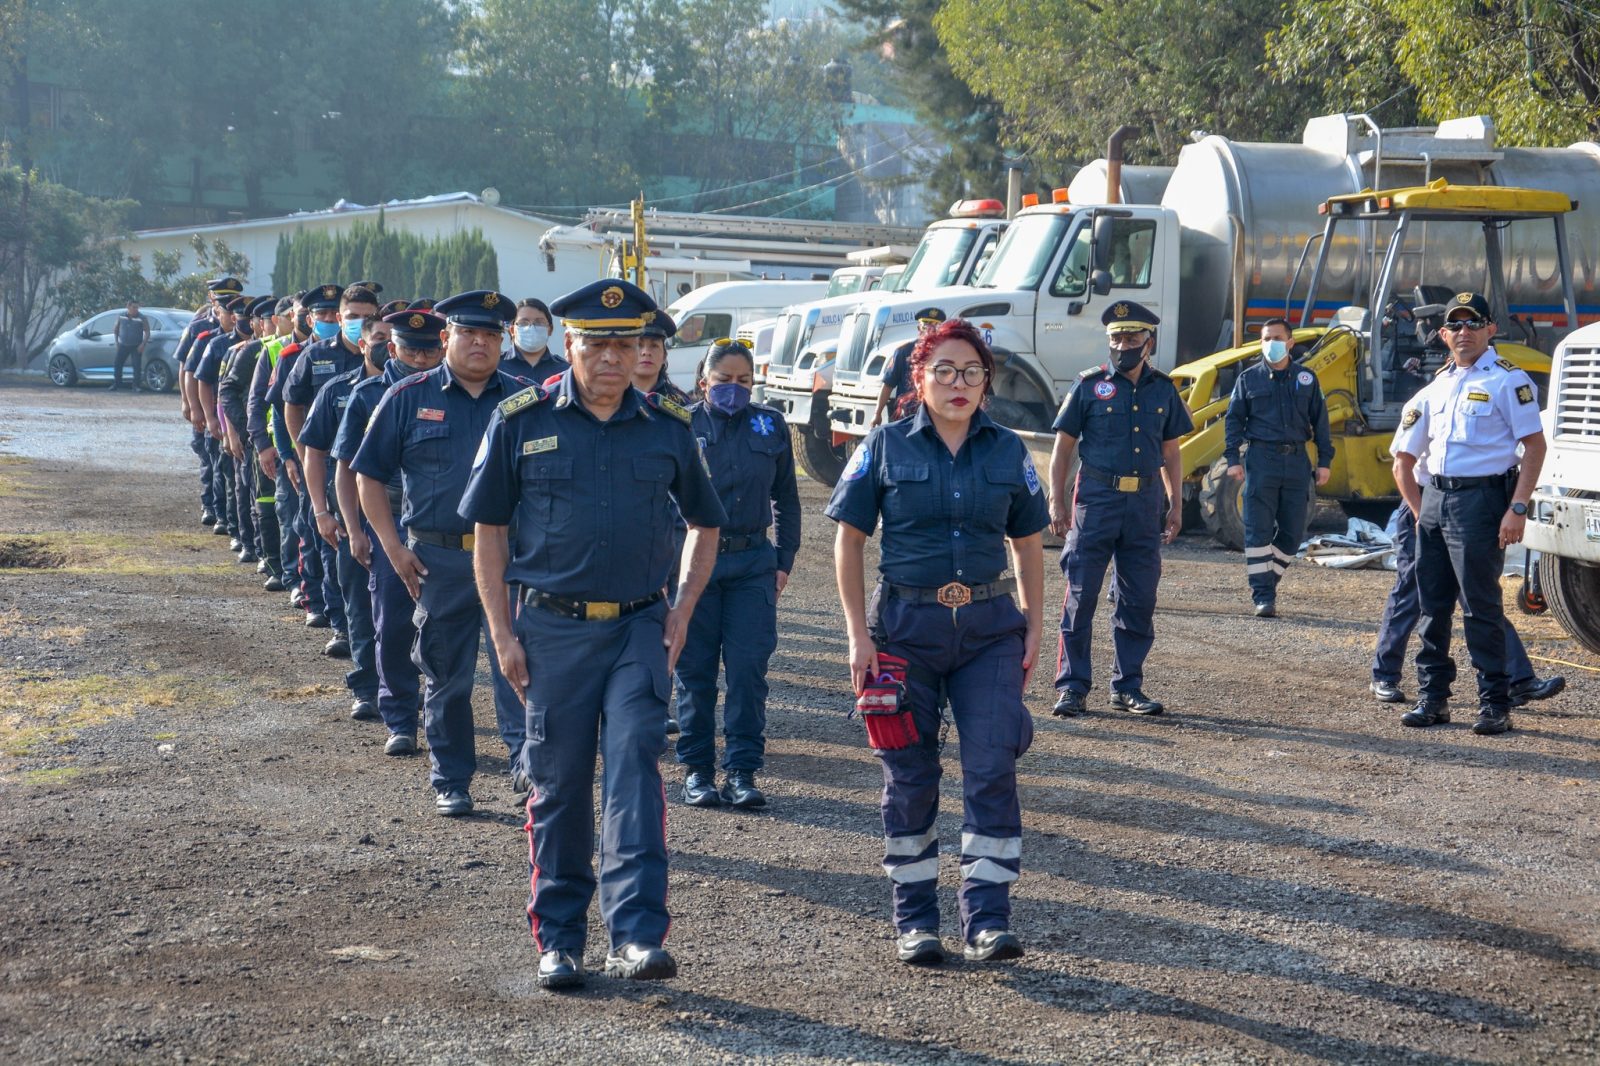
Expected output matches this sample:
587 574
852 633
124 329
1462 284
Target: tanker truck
1229 246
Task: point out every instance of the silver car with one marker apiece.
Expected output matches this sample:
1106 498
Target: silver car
88 351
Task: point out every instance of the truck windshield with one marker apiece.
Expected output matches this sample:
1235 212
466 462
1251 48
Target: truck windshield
843 284
937 260
1025 252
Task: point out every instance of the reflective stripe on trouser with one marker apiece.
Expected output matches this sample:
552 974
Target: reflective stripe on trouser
980 657
197 444
362 677
1458 555
1277 496
735 624
600 688
1107 525
1401 610
395 631
449 618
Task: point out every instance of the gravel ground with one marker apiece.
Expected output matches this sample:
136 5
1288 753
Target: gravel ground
203 859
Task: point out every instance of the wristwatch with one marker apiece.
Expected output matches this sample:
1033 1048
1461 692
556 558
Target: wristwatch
1519 509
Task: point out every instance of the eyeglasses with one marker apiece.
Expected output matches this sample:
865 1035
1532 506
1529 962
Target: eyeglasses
1464 323
973 375
744 342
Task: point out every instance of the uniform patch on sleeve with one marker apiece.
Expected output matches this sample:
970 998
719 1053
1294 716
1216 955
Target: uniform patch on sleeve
1305 377
543 444
859 461
1409 419
1525 393
1030 474
483 452
520 401
1105 389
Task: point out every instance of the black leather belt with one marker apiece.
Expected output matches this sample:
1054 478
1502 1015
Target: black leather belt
1128 483
1454 484
955 594
1277 446
740 542
587 610
459 541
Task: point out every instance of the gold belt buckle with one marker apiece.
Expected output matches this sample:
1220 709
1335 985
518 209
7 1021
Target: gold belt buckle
467 541
601 612
1127 484
955 595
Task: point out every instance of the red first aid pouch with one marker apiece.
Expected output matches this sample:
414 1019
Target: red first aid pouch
882 706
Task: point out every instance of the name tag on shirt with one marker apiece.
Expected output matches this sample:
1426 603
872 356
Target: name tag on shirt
430 414
543 444
1482 397
322 368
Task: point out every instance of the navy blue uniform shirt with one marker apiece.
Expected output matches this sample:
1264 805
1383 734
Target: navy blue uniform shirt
593 501
1277 407
199 324
945 517
548 366
363 400
208 367
317 365
1121 426
752 469
235 386
428 428
322 421
897 375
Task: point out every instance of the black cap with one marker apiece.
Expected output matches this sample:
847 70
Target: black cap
371 286
478 309
416 329
1467 301
225 286
660 326
610 307
262 306
1125 316
930 314
321 298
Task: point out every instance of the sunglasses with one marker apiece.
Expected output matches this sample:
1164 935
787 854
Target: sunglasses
744 342
1464 323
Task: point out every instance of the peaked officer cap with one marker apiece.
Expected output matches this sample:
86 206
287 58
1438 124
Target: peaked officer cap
1125 316
321 298
930 314
478 309
610 307
1468 301
225 286
416 329
660 326
262 306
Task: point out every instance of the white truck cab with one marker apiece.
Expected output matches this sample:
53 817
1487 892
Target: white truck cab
715 311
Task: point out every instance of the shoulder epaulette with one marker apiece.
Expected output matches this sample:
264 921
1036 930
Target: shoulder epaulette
202 335
521 401
414 379
292 348
668 406
1093 371
1506 364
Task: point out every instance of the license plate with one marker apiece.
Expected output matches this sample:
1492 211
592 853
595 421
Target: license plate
1591 522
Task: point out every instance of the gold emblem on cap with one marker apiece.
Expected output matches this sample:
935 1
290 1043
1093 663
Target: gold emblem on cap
611 297
491 299
1121 310
1463 297
329 292
417 321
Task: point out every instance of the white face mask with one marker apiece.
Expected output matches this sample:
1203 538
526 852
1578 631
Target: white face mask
532 338
1274 351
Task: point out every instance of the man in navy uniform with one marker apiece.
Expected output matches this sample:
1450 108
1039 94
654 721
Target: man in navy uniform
428 428
897 383
590 473
204 367
1276 406
1124 418
203 323
1468 422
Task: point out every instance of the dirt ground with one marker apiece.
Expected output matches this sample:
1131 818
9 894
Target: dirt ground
203 859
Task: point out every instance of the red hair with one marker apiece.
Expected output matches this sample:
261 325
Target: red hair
956 329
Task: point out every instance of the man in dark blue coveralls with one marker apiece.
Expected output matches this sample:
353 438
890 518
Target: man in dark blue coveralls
203 322
1125 417
427 429
1276 407
590 473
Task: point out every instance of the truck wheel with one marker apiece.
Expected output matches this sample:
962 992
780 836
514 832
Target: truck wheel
818 458
1222 506
1015 415
1572 589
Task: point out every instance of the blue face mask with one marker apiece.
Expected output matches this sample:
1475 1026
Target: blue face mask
324 330
1274 351
729 397
352 330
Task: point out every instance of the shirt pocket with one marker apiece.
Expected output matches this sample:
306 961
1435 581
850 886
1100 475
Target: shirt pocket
652 479
909 491
547 487
1001 483
427 448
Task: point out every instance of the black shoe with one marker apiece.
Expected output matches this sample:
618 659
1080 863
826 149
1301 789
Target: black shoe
1069 704
521 787
672 726
1492 721
1135 702
1267 610
400 744
1427 712
207 518
1387 692
364 710
338 646
740 790
640 962
700 787
220 529
557 970
452 804
993 945
1536 688
316 621
273 584
919 948
247 556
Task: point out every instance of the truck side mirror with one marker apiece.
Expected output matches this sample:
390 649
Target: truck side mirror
1102 240
1100 282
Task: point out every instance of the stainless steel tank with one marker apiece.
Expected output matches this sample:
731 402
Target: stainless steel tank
1139 185
1269 194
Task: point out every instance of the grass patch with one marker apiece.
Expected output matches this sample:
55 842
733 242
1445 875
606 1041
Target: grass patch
39 711
112 553
163 736
12 483
305 692
54 775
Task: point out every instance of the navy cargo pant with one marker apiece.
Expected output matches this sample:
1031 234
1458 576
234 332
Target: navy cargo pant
735 624
1401 610
244 497
222 486
197 444
977 652
598 688
315 581
287 504
1459 555
268 545
1107 525
362 677
1276 499
394 632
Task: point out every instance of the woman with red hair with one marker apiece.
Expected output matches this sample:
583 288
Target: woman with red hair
952 488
